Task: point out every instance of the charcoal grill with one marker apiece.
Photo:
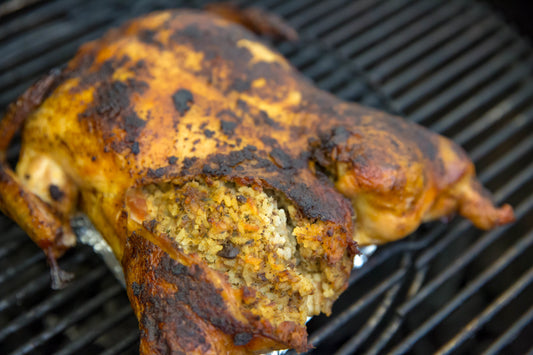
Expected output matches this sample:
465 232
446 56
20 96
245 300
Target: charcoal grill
454 66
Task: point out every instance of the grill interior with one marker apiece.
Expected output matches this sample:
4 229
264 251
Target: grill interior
453 66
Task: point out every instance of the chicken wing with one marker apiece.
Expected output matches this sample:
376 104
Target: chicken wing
231 189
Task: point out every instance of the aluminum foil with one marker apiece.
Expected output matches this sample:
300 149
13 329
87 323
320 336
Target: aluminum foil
87 234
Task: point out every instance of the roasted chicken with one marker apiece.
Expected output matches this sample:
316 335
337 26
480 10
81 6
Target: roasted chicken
232 190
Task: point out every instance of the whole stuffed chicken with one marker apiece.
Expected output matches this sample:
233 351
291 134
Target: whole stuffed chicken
232 190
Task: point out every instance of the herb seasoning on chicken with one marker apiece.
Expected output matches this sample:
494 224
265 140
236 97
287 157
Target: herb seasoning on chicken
232 190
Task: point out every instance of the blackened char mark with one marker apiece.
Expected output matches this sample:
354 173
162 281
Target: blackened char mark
229 115
315 198
229 121
135 148
137 288
264 119
313 201
337 136
182 99
176 295
223 164
168 265
321 148
269 141
100 74
242 338
168 326
55 193
139 67
199 294
110 99
111 110
181 330
215 42
260 119
156 173
240 85
133 124
188 162
138 86
191 31
148 37
281 159
243 106
228 127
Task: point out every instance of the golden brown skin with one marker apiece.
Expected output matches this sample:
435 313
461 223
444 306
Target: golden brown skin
181 94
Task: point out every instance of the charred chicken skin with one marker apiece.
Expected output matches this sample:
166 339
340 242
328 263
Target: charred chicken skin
233 191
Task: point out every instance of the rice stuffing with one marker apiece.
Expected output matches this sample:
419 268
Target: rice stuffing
248 234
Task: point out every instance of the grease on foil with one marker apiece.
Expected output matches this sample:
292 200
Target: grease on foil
88 235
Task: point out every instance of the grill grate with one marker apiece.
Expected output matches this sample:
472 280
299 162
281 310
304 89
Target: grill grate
453 66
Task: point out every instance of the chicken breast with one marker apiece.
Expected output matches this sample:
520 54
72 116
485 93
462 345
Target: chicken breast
231 189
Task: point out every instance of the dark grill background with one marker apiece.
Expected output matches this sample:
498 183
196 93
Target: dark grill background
453 66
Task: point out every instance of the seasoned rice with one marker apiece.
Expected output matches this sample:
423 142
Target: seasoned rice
252 236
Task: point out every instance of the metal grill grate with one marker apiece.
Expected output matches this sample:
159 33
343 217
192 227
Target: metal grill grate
453 66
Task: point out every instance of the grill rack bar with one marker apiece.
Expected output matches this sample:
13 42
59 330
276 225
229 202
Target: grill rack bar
456 301
373 322
123 344
50 303
518 125
39 283
490 312
73 317
75 346
511 334
493 70
397 80
460 66
47 12
388 27
13 271
313 12
413 53
484 98
404 37
378 14
9 247
509 106
49 36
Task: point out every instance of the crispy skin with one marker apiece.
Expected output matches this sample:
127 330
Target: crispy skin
181 94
